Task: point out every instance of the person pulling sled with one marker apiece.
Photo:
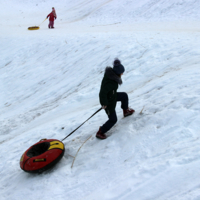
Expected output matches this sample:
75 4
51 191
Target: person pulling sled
108 97
52 16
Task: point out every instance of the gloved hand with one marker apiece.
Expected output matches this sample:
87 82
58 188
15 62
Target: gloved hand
104 107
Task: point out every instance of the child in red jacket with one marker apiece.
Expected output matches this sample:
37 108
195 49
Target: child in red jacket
52 16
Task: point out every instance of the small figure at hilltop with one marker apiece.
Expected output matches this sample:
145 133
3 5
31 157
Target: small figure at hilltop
52 16
109 96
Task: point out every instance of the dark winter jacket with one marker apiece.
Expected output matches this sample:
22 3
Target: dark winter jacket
51 16
108 91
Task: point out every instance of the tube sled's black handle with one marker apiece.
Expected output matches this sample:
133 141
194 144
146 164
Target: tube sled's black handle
82 124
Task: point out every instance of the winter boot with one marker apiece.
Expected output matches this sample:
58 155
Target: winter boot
100 135
128 112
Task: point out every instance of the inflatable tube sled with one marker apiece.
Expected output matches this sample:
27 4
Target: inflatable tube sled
33 28
42 155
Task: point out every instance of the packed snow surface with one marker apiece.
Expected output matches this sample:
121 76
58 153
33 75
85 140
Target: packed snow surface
50 81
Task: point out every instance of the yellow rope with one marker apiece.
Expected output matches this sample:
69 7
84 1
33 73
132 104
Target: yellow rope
79 150
42 22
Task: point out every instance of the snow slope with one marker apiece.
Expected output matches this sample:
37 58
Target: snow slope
50 79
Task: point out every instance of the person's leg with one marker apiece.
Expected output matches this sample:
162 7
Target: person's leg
123 97
107 126
52 24
112 119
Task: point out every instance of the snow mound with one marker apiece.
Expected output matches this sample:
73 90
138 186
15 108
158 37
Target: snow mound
50 82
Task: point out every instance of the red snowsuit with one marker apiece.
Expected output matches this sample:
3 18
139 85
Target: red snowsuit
51 16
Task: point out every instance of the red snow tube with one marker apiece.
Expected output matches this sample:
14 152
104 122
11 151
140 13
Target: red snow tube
42 155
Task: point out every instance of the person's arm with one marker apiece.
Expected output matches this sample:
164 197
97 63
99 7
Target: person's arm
104 95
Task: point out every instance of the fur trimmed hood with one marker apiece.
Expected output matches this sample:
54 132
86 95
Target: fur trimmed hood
111 75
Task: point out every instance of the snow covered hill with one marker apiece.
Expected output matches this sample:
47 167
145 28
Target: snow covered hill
50 79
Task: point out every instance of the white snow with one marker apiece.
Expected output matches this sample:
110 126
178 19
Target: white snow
50 79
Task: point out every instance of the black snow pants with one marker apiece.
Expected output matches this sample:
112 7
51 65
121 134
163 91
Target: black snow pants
112 117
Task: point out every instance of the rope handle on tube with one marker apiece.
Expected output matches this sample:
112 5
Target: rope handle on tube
42 22
82 124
